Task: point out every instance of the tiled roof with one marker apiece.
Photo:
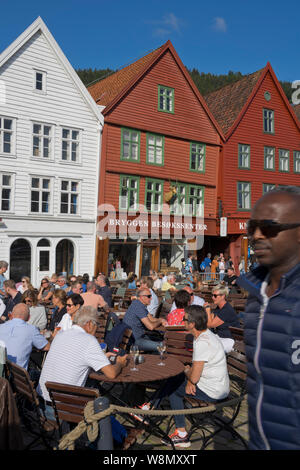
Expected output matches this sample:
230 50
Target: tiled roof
296 108
104 91
227 102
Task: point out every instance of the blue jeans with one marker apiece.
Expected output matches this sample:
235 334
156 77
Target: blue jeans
175 389
146 344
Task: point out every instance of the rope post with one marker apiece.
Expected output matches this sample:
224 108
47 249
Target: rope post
105 440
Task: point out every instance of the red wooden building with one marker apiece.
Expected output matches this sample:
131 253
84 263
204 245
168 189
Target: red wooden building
261 148
158 135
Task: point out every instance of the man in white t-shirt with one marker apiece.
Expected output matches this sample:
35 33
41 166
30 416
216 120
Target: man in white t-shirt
74 352
207 379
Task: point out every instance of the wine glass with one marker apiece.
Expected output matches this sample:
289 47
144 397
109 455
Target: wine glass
161 347
134 352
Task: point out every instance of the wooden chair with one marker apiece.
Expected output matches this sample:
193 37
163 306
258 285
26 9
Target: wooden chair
124 345
237 333
69 401
224 416
180 345
28 406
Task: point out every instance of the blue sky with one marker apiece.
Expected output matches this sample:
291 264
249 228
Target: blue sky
215 36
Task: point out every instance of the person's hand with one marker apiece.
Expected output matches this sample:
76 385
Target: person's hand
190 389
109 354
163 322
122 360
187 368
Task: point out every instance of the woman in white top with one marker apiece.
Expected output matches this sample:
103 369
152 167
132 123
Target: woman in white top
37 313
74 302
25 285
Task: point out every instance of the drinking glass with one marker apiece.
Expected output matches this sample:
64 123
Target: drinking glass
134 352
161 349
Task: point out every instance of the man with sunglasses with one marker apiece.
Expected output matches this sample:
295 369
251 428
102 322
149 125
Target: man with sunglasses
272 322
141 321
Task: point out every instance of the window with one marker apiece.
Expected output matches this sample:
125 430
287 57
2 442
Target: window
296 161
244 156
268 187
6 135
6 191
195 200
70 145
155 149
129 192
269 158
40 195
69 197
154 195
197 157
39 81
178 206
165 99
243 195
130 145
41 140
268 116
284 160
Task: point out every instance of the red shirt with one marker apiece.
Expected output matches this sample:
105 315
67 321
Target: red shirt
176 317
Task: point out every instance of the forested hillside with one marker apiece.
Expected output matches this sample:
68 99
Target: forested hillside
205 82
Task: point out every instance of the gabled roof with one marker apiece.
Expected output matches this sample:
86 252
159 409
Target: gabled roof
39 25
109 91
230 103
227 102
106 89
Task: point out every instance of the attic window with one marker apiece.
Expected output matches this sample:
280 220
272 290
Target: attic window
267 95
40 81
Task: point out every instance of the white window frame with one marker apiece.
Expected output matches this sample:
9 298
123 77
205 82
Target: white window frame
42 136
195 202
244 156
268 121
41 191
267 158
244 191
70 192
68 160
284 160
11 187
43 90
12 132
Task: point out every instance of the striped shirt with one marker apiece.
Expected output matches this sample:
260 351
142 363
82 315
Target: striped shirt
71 356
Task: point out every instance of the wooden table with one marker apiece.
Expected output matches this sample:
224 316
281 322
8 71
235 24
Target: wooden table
148 371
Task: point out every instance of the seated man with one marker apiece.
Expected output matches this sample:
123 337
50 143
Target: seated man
182 300
148 282
14 297
91 298
222 317
75 288
169 284
140 320
230 279
20 337
73 353
207 379
103 289
195 299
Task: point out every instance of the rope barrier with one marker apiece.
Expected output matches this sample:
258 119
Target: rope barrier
89 424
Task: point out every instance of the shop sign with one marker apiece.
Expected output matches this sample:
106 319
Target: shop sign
223 227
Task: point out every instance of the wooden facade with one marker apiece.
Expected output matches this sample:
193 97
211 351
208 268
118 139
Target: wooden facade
134 107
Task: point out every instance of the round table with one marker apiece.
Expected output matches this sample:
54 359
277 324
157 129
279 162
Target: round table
148 371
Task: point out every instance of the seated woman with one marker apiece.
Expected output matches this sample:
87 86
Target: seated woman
182 299
131 281
74 302
222 317
207 379
46 291
59 300
37 312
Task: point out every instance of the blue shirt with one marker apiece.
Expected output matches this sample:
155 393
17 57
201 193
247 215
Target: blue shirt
135 313
19 338
2 279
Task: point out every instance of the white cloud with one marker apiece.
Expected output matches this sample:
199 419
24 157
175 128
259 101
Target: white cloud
219 24
169 24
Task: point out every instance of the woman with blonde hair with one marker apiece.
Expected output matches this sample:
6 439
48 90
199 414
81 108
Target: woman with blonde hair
25 285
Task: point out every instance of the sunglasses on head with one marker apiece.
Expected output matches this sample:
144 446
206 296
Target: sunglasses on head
268 227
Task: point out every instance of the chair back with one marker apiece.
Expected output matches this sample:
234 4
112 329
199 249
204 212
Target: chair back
120 292
21 383
237 333
69 401
101 328
180 345
125 339
236 362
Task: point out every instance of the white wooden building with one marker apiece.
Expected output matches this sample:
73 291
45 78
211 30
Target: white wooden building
50 137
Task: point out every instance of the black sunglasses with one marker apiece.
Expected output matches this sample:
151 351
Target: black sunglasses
149 296
268 227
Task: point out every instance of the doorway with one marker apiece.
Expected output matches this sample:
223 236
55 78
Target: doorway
43 259
65 258
149 259
20 260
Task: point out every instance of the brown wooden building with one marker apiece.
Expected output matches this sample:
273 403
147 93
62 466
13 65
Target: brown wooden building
261 148
159 136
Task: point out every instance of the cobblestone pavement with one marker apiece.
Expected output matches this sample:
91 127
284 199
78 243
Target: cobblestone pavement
222 441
